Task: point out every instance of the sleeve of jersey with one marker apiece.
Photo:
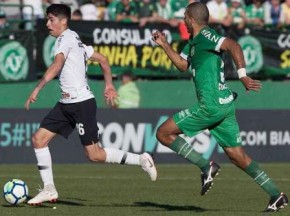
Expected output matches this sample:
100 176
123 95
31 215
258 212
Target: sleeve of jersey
89 51
185 52
63 45
218 45
212 41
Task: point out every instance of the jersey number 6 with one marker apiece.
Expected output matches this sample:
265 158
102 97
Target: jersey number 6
80 128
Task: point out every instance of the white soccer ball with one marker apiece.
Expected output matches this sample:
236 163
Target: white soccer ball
15 191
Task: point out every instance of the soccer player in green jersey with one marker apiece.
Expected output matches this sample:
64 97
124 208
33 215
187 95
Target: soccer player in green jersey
215 109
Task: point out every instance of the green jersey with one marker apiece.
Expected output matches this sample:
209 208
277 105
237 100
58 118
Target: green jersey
207 67
253 12
131 11
237 15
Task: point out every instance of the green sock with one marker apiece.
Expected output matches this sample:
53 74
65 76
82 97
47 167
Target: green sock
181 147
262 179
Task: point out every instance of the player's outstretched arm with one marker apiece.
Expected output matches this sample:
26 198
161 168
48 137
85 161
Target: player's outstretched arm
236 52
160 39
110 92
51 72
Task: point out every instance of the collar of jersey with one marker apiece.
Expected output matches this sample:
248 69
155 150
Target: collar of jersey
193 39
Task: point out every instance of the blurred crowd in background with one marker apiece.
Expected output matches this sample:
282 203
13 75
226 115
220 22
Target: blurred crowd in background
258 13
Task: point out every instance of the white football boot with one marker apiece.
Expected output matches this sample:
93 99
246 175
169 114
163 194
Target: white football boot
48 193
148 166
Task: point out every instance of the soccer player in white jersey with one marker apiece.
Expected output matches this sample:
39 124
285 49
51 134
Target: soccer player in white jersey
77 106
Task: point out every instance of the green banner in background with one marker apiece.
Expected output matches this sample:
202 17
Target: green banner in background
16 59
127 46
266 51
278 50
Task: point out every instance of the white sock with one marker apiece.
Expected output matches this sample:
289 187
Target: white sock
121 157
44 165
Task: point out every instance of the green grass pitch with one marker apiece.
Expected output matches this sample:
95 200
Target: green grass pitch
108 190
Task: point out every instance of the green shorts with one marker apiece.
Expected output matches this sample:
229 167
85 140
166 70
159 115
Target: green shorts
221 122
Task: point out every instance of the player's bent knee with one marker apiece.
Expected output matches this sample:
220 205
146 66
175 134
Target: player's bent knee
163 138
160 136
38 142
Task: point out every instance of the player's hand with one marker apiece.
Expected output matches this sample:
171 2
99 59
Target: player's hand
250 84
31 99
110 95
159 38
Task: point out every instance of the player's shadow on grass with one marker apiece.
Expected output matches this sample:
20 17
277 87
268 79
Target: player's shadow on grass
168 207
70 203
63 202
46 204
12 206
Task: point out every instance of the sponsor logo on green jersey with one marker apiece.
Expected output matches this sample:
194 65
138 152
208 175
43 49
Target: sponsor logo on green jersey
192 51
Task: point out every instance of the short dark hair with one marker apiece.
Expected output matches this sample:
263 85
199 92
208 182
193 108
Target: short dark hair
59 10
77 12
127 73
199 12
